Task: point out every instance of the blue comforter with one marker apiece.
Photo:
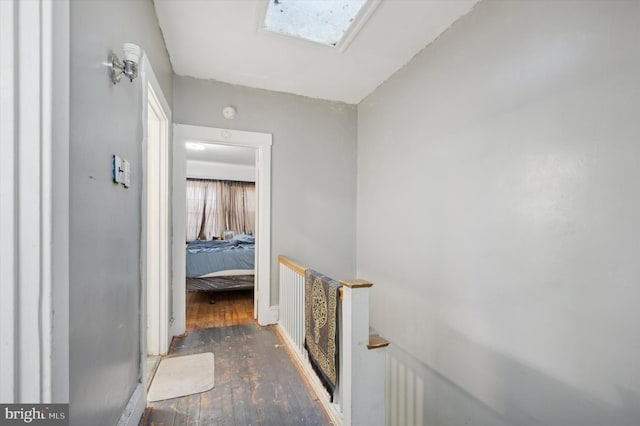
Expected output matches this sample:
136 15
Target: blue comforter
205 257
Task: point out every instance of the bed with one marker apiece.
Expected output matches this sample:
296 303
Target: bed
221 265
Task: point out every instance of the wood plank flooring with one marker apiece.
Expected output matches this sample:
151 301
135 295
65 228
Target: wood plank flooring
256 383
231 308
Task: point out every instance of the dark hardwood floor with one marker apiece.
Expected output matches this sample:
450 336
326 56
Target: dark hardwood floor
256 383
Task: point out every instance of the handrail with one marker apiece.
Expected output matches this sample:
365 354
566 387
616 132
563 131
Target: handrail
360 390
356 283
376 342
292 264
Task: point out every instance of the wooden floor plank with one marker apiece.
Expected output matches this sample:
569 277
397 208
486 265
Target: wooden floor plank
161 413
231 308
188 410
256 382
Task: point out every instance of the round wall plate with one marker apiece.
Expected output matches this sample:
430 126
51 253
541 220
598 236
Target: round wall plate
229 112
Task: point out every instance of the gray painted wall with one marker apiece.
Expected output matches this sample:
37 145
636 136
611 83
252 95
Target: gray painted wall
105 221
313 167
498 215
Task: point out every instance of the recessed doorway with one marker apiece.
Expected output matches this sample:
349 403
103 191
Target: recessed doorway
259 146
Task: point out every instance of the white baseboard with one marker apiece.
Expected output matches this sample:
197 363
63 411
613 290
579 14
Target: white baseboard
135 408
332 410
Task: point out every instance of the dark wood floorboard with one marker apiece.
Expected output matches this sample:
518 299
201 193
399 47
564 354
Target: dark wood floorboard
256 383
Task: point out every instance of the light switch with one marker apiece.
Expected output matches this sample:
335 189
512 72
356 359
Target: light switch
127 174
117 167
121 171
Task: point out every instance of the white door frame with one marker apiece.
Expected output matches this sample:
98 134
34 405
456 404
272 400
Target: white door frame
261 142
156 314
34 195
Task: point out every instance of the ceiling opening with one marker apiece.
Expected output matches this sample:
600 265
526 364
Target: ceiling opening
325 22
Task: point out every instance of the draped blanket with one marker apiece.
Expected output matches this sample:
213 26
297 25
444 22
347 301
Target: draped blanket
321 332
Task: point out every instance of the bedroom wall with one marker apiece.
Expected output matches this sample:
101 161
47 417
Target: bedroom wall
498 218
212 170
313 167
105 223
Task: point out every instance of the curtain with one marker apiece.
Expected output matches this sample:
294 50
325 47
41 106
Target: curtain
223 206
240 206
214 222
196 194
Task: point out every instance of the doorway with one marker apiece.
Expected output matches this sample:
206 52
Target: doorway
260 144
220 219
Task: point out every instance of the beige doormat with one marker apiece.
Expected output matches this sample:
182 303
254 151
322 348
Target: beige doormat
182 375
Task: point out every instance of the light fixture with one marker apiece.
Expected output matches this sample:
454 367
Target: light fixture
194 146
128 67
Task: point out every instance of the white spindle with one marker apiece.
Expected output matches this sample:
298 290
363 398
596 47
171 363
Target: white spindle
359 396
292 306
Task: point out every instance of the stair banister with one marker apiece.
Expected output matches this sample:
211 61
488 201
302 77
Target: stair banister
363 367
359 398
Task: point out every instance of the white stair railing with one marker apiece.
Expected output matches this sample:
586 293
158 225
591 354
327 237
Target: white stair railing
359 395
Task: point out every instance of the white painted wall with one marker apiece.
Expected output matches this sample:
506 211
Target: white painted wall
222 171
498 215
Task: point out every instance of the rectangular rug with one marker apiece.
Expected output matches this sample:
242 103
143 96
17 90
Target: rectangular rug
321 332
182 375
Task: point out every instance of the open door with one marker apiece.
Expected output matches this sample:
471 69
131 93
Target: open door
261 142
156 229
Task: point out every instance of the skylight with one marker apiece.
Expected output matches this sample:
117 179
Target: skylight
320 21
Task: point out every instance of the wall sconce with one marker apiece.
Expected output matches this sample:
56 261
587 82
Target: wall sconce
128 67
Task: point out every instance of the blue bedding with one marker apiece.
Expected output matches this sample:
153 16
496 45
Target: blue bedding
205 257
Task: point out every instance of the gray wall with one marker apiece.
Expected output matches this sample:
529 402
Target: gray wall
313 167
105 221
498 210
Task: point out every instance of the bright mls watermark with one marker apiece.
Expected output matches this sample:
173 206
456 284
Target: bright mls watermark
36 414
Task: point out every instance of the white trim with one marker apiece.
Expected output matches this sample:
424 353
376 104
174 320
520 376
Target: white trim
179 200
30 210
361 20
8 217
135 408
155 224
150 86
332 409
266 314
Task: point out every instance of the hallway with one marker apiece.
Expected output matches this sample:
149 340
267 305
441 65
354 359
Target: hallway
256 382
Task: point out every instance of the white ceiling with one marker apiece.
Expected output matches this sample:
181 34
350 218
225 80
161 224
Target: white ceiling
223 154
224 40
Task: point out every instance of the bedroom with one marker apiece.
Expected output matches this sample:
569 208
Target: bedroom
220 228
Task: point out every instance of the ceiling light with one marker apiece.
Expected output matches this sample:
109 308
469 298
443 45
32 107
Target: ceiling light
325 21
194 146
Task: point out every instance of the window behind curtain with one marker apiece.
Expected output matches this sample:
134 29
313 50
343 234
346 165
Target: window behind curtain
215 206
